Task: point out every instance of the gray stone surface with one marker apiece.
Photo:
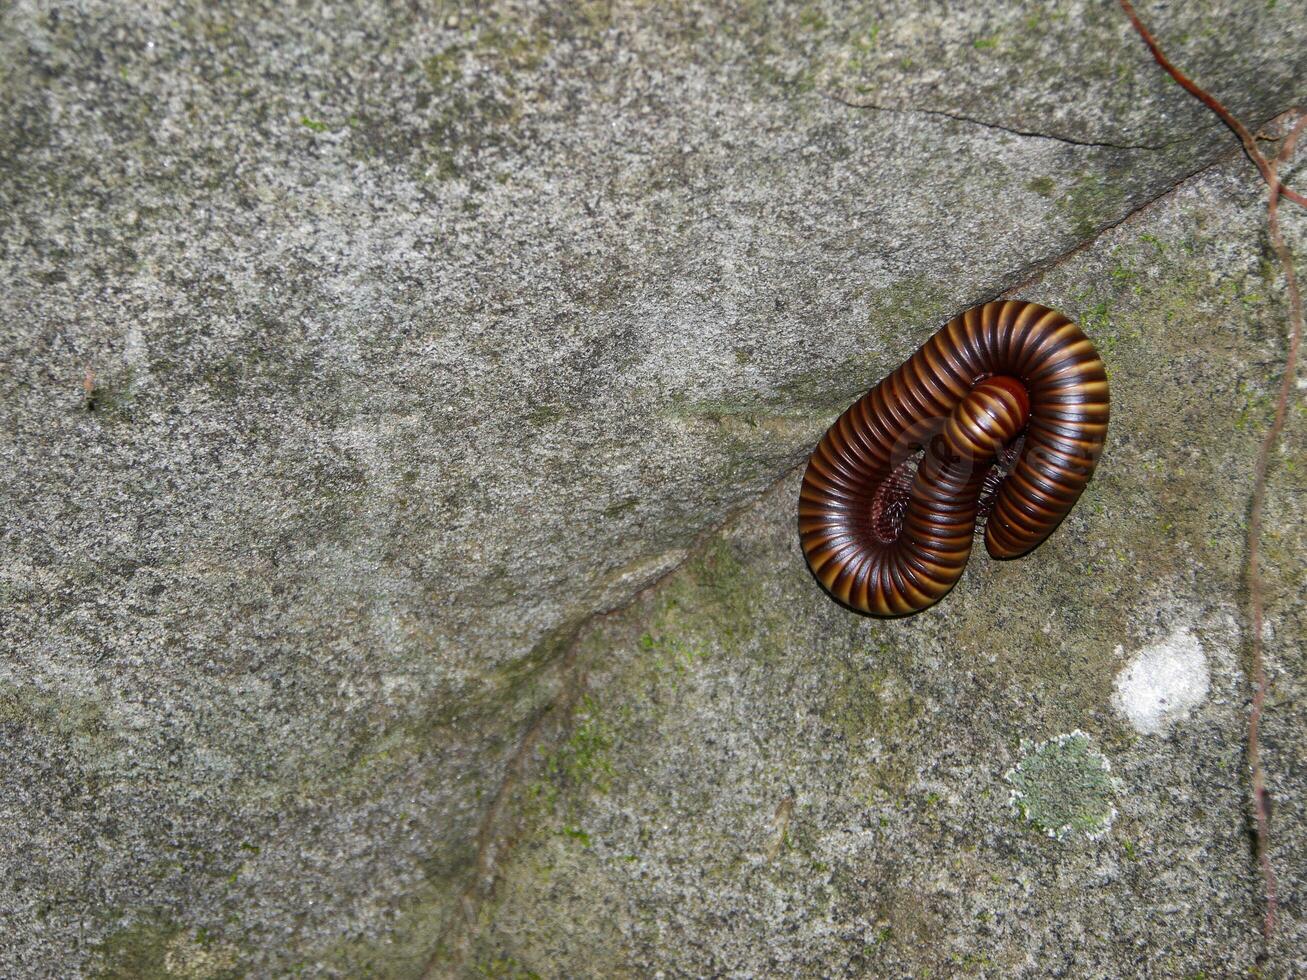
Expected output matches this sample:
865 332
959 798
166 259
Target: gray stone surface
760 783
355 355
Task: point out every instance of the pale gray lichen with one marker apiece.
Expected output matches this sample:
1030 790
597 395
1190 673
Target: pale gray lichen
1063 786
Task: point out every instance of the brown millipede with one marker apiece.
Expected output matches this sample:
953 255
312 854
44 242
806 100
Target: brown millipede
1007 385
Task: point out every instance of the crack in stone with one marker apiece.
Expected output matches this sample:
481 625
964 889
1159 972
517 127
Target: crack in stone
999 127
492 840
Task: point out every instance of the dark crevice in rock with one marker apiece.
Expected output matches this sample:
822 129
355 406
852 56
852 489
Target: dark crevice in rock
1013 130
1037 270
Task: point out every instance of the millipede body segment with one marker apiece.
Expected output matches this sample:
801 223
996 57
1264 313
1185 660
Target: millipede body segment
1006 407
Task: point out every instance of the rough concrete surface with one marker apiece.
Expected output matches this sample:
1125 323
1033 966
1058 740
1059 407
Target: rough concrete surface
355 356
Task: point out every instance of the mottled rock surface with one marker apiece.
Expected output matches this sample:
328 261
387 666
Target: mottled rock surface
356 356
760 783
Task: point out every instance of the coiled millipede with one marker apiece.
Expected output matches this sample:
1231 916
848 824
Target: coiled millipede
1007 406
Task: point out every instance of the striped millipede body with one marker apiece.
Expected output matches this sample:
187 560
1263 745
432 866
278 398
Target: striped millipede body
1006 405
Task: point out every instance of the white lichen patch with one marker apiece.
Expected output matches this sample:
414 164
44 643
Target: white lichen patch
1163 683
